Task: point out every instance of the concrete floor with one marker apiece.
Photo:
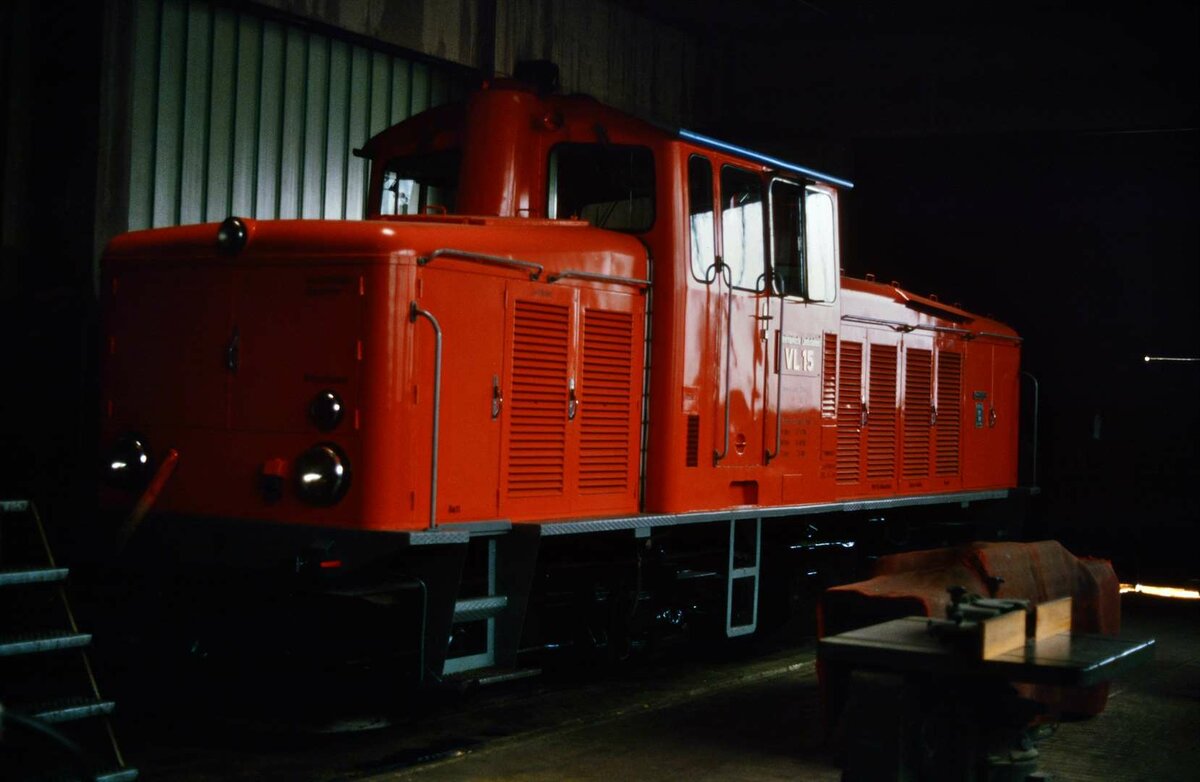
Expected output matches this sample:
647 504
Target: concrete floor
686 715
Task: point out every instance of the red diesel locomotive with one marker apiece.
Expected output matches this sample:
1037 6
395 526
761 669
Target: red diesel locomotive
565 343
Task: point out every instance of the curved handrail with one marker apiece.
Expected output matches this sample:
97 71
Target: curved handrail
474 257
598 277
768 455
727 277
414 312
1036 403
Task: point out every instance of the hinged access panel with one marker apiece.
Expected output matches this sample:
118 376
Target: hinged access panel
572 396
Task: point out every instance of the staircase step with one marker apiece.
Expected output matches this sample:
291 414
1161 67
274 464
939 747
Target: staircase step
46 678
33 643
476 608
30 575
69 709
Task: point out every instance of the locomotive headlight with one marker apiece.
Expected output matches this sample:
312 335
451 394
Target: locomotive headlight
127 464
322 474
326 410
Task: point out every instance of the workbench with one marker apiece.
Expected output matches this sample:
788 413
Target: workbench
920 708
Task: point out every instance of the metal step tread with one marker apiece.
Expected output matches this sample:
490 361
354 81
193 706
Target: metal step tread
33 643
688 574
119 775
32 575
488 675
69 709
475 608
365 590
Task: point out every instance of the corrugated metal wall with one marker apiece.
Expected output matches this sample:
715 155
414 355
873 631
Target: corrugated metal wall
619 51
233 113
609 50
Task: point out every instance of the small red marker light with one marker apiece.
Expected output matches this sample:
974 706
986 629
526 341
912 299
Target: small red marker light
276 468
330 564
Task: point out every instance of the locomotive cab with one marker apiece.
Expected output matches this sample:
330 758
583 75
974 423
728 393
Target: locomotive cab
509 152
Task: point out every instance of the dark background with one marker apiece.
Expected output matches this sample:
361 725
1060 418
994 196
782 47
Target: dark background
1034 161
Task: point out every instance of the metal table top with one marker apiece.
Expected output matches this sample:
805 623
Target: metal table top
906 646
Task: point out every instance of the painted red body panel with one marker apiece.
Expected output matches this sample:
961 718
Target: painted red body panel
880 398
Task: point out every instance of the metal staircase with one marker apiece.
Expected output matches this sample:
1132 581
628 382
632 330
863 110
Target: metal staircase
50 730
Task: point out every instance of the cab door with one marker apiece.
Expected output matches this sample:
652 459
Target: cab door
749 312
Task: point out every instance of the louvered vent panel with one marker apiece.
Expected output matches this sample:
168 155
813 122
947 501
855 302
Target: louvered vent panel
949 405
693 440
849 414
606 392
829 377
918 394
538 406
881 431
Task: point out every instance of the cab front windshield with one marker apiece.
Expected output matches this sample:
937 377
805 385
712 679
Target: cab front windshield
420 184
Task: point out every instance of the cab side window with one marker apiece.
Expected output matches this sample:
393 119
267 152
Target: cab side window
803 268
413 184
610 186
700 215
820 239
742 226
787 251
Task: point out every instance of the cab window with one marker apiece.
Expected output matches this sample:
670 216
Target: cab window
742 226
700 215
820 237
415 184
806 269
611 186
787 251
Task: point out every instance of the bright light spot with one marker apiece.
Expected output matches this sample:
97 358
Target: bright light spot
1159 591
119 465
1147 359
388 232
143 458
311 477
339 469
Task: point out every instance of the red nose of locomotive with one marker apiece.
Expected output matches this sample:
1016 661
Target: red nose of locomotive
242 355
